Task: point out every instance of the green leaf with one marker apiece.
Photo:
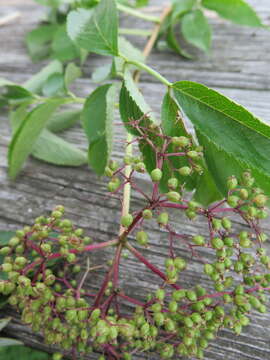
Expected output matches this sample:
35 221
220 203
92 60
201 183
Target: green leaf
27 133
196 30
173 125
62 46
4 322
38 41
36 83
181 7
102 73
96 30
71 74
22 353
63 120
9 342
174 44
235 134
54 86
97 118
54 150
15 94
206 189
237 11
132 104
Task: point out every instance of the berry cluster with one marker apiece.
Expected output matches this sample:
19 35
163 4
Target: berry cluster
41 262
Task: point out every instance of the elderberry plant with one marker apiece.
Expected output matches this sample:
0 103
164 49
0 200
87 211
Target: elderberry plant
173 321
228 142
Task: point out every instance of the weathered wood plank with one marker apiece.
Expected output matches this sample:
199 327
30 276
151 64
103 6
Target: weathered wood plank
238 66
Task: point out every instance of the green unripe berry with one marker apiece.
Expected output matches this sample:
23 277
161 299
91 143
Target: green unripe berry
95 314
208 269
163 218
180 141
232 182
126 220
198 240
190 214
191 295
147 214
217 243
46 248
173 306
142 238
243 193
260 200
226 223
140 167
229 241
14 241
185 171
193 154
245 243
173 196
6 250
173 183
156 175
160 294
180 263
233 201
6 267
159 319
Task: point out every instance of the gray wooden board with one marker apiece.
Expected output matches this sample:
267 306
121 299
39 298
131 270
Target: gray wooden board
238 67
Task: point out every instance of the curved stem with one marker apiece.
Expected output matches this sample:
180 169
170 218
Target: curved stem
138 14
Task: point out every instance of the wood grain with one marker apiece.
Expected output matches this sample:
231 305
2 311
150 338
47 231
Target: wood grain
238 67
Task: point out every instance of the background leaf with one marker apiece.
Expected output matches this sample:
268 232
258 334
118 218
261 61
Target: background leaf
62 46
237 11
63 120
227 131
71 74
37 81
22 353
54 150
54 85
27 133
196 30
38 41
97 118
95 30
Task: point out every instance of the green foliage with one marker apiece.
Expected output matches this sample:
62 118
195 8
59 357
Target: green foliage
227 134
237 11
22 353
97 117
95 30
196 30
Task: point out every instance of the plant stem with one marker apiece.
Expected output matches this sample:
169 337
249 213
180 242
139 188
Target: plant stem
135 32
150 266
150 71
137 13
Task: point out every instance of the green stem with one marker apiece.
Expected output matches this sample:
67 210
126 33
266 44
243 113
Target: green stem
137 13
150 71
136 32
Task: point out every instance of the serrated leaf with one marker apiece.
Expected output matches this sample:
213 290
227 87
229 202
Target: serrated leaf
54 150
132 104
196 30
173 125
27 133
72 73
54 86
97 118
63 120
37 81
96 30
62 46
235 133
237 11
38 41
